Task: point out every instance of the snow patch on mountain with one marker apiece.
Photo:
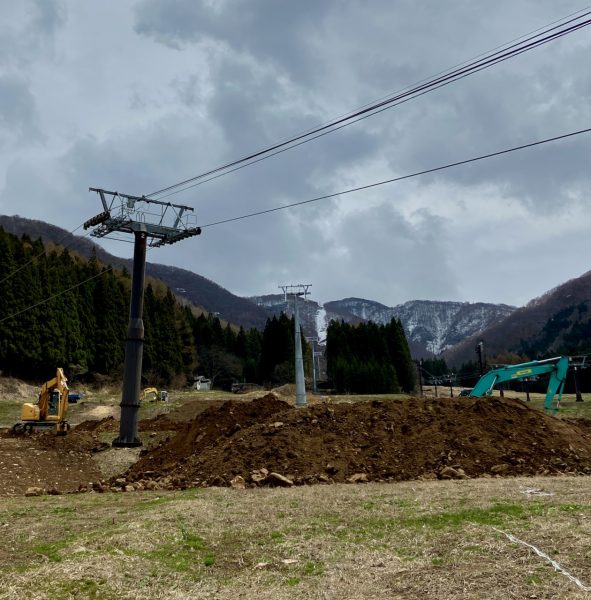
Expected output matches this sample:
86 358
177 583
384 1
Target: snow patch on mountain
321 323
431 326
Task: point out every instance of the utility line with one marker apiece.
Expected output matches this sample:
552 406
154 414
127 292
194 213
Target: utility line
59 242
319 135
77 285
349 191
489 60
401 178
34 258
58 294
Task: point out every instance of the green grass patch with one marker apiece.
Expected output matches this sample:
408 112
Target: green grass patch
51 550
84 588
313 568
277 537
189 554
495 516
406 554
10 411
63 510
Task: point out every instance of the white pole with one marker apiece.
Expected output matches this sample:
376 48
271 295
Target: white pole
299 359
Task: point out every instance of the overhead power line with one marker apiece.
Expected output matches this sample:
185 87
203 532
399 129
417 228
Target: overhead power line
401 178
57 295
488 60
34 258
59 242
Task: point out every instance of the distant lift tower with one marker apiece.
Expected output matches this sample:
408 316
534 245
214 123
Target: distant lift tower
300 289
315 366
163 223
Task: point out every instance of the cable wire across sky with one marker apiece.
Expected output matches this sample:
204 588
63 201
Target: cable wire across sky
487 60
400 178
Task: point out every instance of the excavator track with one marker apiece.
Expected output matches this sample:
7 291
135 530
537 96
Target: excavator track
61 428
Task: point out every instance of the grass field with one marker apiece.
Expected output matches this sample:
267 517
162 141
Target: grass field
418 539
438 539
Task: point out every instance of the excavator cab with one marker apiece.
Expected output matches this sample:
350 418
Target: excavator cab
53 405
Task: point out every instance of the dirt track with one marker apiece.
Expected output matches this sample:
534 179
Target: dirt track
389 440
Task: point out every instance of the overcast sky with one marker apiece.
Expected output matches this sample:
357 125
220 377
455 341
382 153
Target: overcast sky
135 95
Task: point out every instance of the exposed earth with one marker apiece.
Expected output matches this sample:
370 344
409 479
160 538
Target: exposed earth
267 441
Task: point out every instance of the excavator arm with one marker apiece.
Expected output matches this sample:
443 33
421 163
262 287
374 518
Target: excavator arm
53 398
556 367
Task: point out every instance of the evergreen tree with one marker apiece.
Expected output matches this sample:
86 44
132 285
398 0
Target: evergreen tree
368 358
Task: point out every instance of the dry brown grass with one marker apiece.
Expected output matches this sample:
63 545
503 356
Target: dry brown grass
407 540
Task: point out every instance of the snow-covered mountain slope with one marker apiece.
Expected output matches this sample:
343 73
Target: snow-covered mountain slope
431 326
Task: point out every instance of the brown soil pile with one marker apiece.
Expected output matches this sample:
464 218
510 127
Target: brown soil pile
96 426
47 462
383 440
158 423
74 441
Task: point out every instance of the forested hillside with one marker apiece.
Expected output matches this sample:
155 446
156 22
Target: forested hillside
559 322
369 358
58 309
195 288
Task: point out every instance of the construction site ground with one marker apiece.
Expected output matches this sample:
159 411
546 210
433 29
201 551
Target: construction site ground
246 495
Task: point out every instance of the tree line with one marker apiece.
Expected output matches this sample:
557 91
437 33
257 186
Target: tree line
369 358
58 309
48 320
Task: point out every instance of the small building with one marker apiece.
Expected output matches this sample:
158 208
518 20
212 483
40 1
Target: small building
201 383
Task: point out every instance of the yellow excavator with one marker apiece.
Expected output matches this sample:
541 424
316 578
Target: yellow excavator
153 394
50 410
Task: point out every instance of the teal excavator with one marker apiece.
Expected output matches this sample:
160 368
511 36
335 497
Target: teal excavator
556 367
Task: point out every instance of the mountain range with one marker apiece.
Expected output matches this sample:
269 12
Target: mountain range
431 326
557 321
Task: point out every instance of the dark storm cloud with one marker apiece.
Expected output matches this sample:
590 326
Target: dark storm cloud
278 31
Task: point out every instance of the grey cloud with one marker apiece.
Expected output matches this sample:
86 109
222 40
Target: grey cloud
27 31
47 16
475 118
252 108
376 49
277 67
389 255
18 114
278 31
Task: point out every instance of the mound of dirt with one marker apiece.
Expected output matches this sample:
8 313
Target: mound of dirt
106 424
379 440
74 441
47 462
158 423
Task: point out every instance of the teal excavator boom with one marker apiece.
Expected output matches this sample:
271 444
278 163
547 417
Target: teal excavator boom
556 367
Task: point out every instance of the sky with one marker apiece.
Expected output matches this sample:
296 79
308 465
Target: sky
136 95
